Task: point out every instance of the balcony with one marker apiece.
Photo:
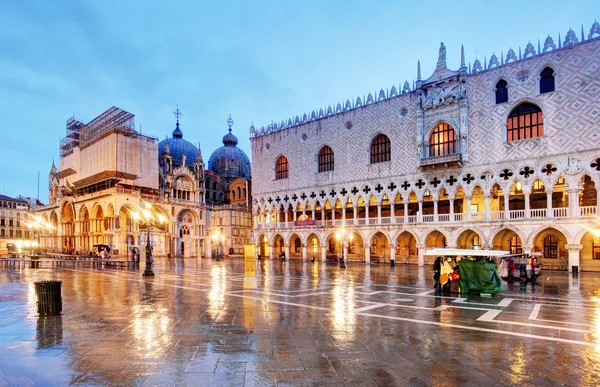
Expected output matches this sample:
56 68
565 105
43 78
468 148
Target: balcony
444 161
535 214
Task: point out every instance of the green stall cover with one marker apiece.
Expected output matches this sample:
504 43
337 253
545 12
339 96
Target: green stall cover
479 277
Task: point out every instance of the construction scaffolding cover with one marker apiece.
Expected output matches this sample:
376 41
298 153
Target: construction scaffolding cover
479 277
113 119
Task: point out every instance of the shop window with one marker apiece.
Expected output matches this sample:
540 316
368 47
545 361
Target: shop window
546 80
281 168
442 140
596 248
550 246
501 91
380 149
325 159
525 121
515 245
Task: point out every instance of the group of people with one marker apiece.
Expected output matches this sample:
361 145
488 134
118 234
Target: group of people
135 254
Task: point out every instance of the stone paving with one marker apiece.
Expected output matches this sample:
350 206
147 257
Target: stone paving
198 323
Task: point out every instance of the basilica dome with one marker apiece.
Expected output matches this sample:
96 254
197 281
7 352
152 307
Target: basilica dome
229 161
178 147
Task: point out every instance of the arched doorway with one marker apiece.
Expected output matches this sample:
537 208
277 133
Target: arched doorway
551 243
380 248
469 239
295 247
590 253
68 227
406 248
508 240
186 245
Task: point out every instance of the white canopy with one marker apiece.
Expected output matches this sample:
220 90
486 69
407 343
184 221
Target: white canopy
466 252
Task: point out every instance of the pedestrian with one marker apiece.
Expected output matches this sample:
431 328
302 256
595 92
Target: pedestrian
437 268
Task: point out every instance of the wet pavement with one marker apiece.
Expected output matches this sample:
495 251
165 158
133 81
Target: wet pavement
198 323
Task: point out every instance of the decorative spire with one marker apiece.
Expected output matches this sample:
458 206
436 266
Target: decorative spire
418 70
177 133
462 55
199 156
539 50
582 35
230 123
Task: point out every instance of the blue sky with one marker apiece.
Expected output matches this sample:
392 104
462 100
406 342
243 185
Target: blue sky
256 60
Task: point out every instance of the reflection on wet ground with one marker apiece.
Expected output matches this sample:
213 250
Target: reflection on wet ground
301 324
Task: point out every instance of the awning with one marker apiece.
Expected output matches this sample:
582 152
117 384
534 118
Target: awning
104 175
65 173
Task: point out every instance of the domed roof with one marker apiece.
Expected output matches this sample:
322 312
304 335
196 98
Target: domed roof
178 147
229 161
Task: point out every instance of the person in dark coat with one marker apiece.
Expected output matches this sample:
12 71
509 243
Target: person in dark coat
437 268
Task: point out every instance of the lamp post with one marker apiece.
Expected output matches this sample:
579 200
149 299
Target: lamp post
35 226
344 237
217 239
148 218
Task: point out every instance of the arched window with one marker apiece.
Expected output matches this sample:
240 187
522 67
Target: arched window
546 80
380 149
501 91
442 141
281 168
515 245
550 246
325 159
525 121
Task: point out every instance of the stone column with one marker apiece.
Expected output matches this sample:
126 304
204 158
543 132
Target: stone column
344 214
573 255
271 250
549 209
366 213
506 194
468 197
323 253
527 205
313 215
286 250
209 248
392 212
487 206
378 212
421 251
451 200
304 252
286 218
405 202
355 214
323 214
367 254
393 254
420 212
573 202
435 209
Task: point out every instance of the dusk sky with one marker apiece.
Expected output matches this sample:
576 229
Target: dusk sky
256 60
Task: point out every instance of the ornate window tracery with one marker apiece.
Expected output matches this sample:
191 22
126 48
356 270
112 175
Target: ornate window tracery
380 149
524 121
547 80
325 159
442 140
281 168
550 246
501 91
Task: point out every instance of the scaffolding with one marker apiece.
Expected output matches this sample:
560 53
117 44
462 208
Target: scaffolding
113 120
71 139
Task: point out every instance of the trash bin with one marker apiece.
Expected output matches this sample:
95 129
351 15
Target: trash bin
49 299
575 270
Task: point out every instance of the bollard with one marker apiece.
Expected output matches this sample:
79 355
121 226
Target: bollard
49 298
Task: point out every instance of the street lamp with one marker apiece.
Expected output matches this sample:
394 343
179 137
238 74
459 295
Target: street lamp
345 237
35 226
148 218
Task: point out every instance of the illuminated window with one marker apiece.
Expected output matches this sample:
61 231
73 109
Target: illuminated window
550 246
315 245
515 245
546 80
538 186
325 159
525 121
476 242
596 248
281 168
442 141
380 149
501 91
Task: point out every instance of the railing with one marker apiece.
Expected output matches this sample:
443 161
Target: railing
516 214
496 215
587 211
537 213
443 217
428 219
477 215
561 212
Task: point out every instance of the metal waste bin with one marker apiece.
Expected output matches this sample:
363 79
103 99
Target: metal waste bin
575 270
49 299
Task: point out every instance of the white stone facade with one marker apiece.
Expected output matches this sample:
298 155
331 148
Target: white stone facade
482 194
